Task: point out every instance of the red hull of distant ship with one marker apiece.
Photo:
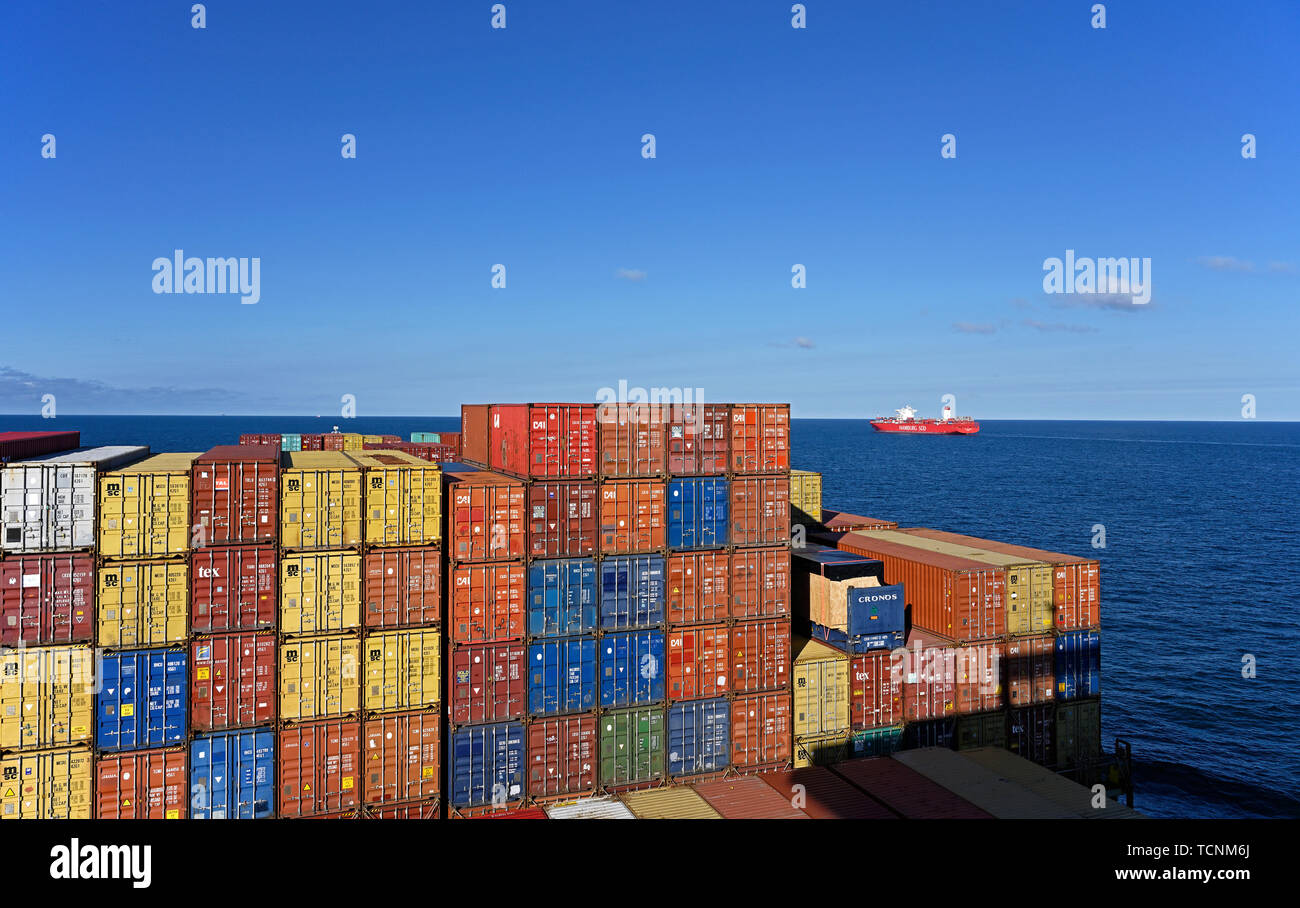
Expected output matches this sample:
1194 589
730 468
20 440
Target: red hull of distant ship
926 426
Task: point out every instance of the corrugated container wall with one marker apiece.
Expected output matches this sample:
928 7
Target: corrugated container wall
759 584
760 656
562 597
320 501
320 592
562 519
562 675
47 696
631 747
487 682
403 499
698 663
233 588
232 775
403 670
144 509
821 689
143 699
698 439
402 756
47 599
562 756
487 765
697 513
236 494
632 592
319 765
805 498
25 445
488 517
761 731
542 441
318 677
233 681
632 516
699 737
47 784
402 586
697 587
760 510
760 438
143 603
142 785
487 602
631 439
632 668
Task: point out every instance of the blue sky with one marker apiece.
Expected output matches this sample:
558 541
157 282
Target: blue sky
775 146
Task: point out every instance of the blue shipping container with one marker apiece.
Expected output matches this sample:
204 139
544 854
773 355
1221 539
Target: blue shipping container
697 513
232 776
632 591
699 737
1078 665
876 610
562 676
863 643
143 701
562 597
487 764
930 733
632 668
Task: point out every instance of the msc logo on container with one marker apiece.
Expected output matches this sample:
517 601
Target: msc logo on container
103 862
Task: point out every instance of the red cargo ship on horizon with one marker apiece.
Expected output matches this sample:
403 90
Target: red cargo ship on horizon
907 422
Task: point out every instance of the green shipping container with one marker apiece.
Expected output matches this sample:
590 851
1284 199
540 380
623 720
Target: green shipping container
435 437
631 746
876 742
981 730
1078 733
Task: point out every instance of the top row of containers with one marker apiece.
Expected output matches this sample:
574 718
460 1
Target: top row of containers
627 440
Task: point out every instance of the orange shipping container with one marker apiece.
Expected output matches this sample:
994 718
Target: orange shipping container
402 756
543 441
697 439
232 680
488 517
760 583
760 438
632 517
402 587
929 675
697 662
761 732
1031 670
697 586
760 510
474 433
631 439
319 767
947 595
760 656
142 785
875 690
979 671
489 602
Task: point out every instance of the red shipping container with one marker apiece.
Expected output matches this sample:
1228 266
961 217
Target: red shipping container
697 662
233 588
1031 670
312 442
1076 589
543 441
320 766
632 516
452 439
748 798
47 599
697 438
142 785
487 683
979 671
430 451
561 756
331 441
474 433
823 795
875 690
261 439
838 521
26 445
929 676
760 583
232 681
390 439
905 791
955 597
760 510
761 731
403 757
488 519
697 586
631 439
236 494
760 438
562 519
489 602
760 656
403 587
421 810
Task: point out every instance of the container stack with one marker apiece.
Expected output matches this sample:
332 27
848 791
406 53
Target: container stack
486 595
758 473
50 723
151 694
402 584
233 610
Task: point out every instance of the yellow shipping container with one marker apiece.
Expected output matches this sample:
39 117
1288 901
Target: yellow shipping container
47 785
144 509
805 497
403 496
669 804
1030 596
821 689
403 670
372 439
320 500
821 750
46 696
319 677
352 441
319 592
143 603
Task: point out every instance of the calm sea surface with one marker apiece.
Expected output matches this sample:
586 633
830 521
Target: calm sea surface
1200 536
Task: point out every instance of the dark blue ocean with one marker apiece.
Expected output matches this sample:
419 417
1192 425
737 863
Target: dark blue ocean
1200 543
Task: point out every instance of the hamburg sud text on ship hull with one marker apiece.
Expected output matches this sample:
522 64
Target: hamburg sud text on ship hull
907 423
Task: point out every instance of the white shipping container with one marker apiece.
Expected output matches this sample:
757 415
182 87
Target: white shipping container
590 809
48 503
